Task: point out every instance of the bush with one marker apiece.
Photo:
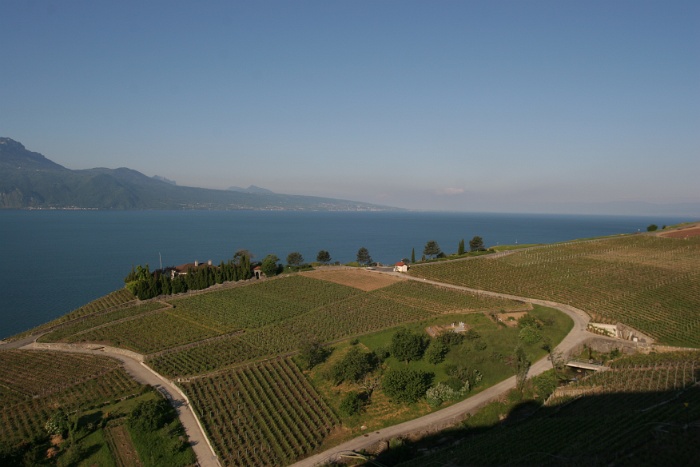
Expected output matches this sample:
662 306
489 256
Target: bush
530 335
312 353
353 367
151 415
353 403
406 384
407 345
436 351
440 393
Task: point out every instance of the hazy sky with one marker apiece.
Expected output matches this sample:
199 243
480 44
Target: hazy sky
442 105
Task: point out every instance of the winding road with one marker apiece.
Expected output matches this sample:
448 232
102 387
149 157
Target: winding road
206 456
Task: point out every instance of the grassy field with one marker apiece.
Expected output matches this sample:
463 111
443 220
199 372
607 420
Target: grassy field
647 282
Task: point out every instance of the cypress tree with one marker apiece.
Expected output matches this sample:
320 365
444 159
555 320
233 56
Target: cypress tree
413 255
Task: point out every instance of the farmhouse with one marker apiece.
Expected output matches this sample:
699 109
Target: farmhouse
182 269
401 267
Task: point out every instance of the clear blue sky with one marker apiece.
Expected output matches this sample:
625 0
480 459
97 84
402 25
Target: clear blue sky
511 106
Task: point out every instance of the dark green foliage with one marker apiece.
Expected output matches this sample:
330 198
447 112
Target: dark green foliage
353 403
452 338
323 257
522 366
530 335
436 351
295 258
472 334
407 345
652 228
312 353
413 255
353 367
406 384
527 320
476 244
432 249
151 415
269 265
460 247
363 256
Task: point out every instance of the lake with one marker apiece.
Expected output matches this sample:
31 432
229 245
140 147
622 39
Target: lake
55 261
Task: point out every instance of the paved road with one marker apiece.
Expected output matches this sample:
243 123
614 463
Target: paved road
133 363
450 415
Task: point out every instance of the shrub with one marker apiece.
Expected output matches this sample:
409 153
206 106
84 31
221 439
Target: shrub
407 345
436 351
406 384
530 335
352 403
353 367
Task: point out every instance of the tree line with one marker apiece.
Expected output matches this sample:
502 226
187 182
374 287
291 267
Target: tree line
168 281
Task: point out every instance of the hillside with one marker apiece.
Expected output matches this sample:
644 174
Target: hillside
30 180
239 352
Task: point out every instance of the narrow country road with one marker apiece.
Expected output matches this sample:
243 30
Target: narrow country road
450 415
133 364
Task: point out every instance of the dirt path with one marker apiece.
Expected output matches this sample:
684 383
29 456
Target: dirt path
133 364
448 416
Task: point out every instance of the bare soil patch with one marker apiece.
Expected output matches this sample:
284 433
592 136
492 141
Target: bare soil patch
683 232
352 277
121 446
510 319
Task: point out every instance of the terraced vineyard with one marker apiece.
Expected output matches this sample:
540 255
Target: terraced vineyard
264 414
33 384
647 282
340 312
115 299
644 412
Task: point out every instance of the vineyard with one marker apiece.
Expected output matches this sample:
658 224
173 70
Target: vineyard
115 299
333 312
33 384
643 411
264 414
647 282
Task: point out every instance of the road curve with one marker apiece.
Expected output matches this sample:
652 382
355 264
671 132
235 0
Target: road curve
448 416
133 364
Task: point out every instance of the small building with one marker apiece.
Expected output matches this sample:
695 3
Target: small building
401 267
182 269
257 271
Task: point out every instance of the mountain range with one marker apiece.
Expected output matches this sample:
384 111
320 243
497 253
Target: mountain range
30 180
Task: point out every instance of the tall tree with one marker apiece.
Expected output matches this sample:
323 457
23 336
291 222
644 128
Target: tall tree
407 345
431 249
522 366
460 248
295 259
269 265
413 255
363 256
323 257
476 244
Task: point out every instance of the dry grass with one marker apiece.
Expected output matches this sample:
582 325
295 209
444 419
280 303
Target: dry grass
352 277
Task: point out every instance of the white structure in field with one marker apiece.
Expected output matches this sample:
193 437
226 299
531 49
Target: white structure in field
401 267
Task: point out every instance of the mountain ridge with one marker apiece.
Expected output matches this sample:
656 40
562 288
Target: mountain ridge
29 180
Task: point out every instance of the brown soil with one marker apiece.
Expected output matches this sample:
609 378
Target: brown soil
683 232
357 278
121 446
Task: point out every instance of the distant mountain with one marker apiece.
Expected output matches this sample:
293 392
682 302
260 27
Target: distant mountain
163 179
30 180
252 189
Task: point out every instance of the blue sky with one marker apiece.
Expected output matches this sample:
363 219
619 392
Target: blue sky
511 106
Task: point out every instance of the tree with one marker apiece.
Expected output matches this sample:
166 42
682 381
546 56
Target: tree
652 228
269 265
353 367
407 345
406 384
431 249
522 366
295 259
352 403
460 248
436 351
151 415
240 255
413 255
312 353
323 257
363 256
476 244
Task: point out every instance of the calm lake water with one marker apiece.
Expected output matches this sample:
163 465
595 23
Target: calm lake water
55 261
